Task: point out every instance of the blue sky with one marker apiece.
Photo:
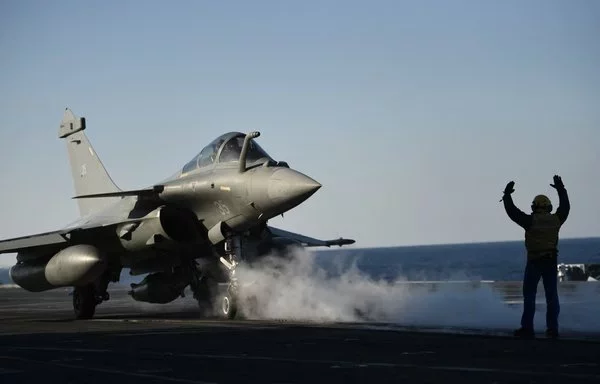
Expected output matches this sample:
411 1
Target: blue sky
413 115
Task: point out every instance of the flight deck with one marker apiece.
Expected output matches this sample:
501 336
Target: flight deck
134 343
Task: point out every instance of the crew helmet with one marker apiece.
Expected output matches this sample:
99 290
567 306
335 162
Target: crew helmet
541 202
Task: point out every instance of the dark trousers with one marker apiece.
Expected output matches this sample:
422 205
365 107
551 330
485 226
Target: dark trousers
546 270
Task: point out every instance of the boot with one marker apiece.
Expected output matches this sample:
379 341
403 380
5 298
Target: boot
524 333
552 333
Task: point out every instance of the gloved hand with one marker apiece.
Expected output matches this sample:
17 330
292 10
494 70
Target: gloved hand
509 188
558 184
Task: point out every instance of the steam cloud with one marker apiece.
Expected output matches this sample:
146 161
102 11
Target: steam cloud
296 288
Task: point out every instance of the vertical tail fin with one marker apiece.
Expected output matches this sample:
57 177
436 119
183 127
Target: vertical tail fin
89 175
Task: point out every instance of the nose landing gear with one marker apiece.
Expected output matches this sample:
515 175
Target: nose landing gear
233 256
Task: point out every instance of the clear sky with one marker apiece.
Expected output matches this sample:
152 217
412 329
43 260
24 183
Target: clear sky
413 115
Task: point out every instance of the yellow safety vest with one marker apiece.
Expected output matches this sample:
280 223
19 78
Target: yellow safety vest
541 239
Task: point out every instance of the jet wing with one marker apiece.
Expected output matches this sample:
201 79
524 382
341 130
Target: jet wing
53 239
307 241
41 239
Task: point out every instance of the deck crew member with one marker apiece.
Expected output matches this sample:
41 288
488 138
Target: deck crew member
541 242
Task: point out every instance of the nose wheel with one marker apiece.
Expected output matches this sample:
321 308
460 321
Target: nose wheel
228 306
228 300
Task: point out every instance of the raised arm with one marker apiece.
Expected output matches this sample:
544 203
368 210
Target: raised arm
564 206
515 214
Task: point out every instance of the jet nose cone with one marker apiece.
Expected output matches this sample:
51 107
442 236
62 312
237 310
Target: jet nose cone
287 185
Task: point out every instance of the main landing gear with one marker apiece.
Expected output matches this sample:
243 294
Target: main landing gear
87 297
203 288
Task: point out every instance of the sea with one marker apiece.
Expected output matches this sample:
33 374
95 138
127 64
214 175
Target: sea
491 261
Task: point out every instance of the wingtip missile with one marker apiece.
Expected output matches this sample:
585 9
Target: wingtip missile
340 242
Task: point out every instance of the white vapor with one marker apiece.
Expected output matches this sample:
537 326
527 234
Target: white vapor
296 288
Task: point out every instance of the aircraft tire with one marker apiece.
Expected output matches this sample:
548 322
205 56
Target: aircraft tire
84 302
228 306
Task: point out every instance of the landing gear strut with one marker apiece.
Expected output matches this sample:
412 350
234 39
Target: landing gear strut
233 256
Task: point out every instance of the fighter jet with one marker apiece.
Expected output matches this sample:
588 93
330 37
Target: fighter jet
191 229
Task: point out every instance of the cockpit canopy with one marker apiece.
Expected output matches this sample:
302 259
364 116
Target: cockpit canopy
226 149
